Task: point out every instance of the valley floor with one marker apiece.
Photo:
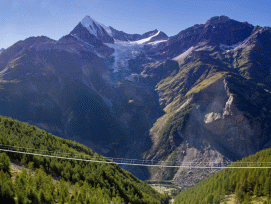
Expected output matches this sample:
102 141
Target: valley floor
169 190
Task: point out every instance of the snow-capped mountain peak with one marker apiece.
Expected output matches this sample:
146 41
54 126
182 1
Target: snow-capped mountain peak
107 34
126 46
97 29
92 26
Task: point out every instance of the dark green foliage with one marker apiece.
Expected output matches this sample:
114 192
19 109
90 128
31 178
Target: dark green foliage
174 127
74 180
267 187
4 163
6 187
244 183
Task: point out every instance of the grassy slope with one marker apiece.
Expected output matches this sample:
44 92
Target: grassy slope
245 184
108 181
195 73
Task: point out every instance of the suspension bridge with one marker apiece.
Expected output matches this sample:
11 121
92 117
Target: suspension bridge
133 162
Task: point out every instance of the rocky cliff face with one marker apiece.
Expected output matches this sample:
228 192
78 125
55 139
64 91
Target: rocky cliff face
200 96
218 129
215 104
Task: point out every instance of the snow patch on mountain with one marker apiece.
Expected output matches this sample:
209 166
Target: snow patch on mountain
145 40
184 54
126 50
228 47
157 42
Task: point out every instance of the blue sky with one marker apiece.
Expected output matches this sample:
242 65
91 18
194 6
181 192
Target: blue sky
21 19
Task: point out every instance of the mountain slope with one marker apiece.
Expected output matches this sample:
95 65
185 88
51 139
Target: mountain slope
217 30
211 107
46 71
201 95
104 181
122 36
216 116
246 184
66 88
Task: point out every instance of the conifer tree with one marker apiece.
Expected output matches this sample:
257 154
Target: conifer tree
256 190
4 163
267 187
42 198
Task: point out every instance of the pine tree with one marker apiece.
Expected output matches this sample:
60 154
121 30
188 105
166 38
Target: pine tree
4 163
240 195
267 187
32 196
216 199
256 190
42 197
210 198
6 188
247 198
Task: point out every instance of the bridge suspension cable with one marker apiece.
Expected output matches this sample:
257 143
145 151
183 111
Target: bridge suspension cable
133 162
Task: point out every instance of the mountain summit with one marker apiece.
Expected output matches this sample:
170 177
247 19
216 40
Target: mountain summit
202 95
110 34
216 31
94 28
217 20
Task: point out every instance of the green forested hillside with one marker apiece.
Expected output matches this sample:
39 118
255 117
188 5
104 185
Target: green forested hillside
245 184
52 180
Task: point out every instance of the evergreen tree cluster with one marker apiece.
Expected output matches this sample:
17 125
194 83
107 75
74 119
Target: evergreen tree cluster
53 180
245 183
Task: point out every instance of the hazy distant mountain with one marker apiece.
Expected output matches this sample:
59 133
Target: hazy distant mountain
202 95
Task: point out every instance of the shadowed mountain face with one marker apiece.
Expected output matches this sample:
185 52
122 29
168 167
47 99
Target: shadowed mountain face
216 31
65 88
120 35
202 95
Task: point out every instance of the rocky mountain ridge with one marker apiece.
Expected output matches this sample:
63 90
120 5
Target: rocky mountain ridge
201 95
